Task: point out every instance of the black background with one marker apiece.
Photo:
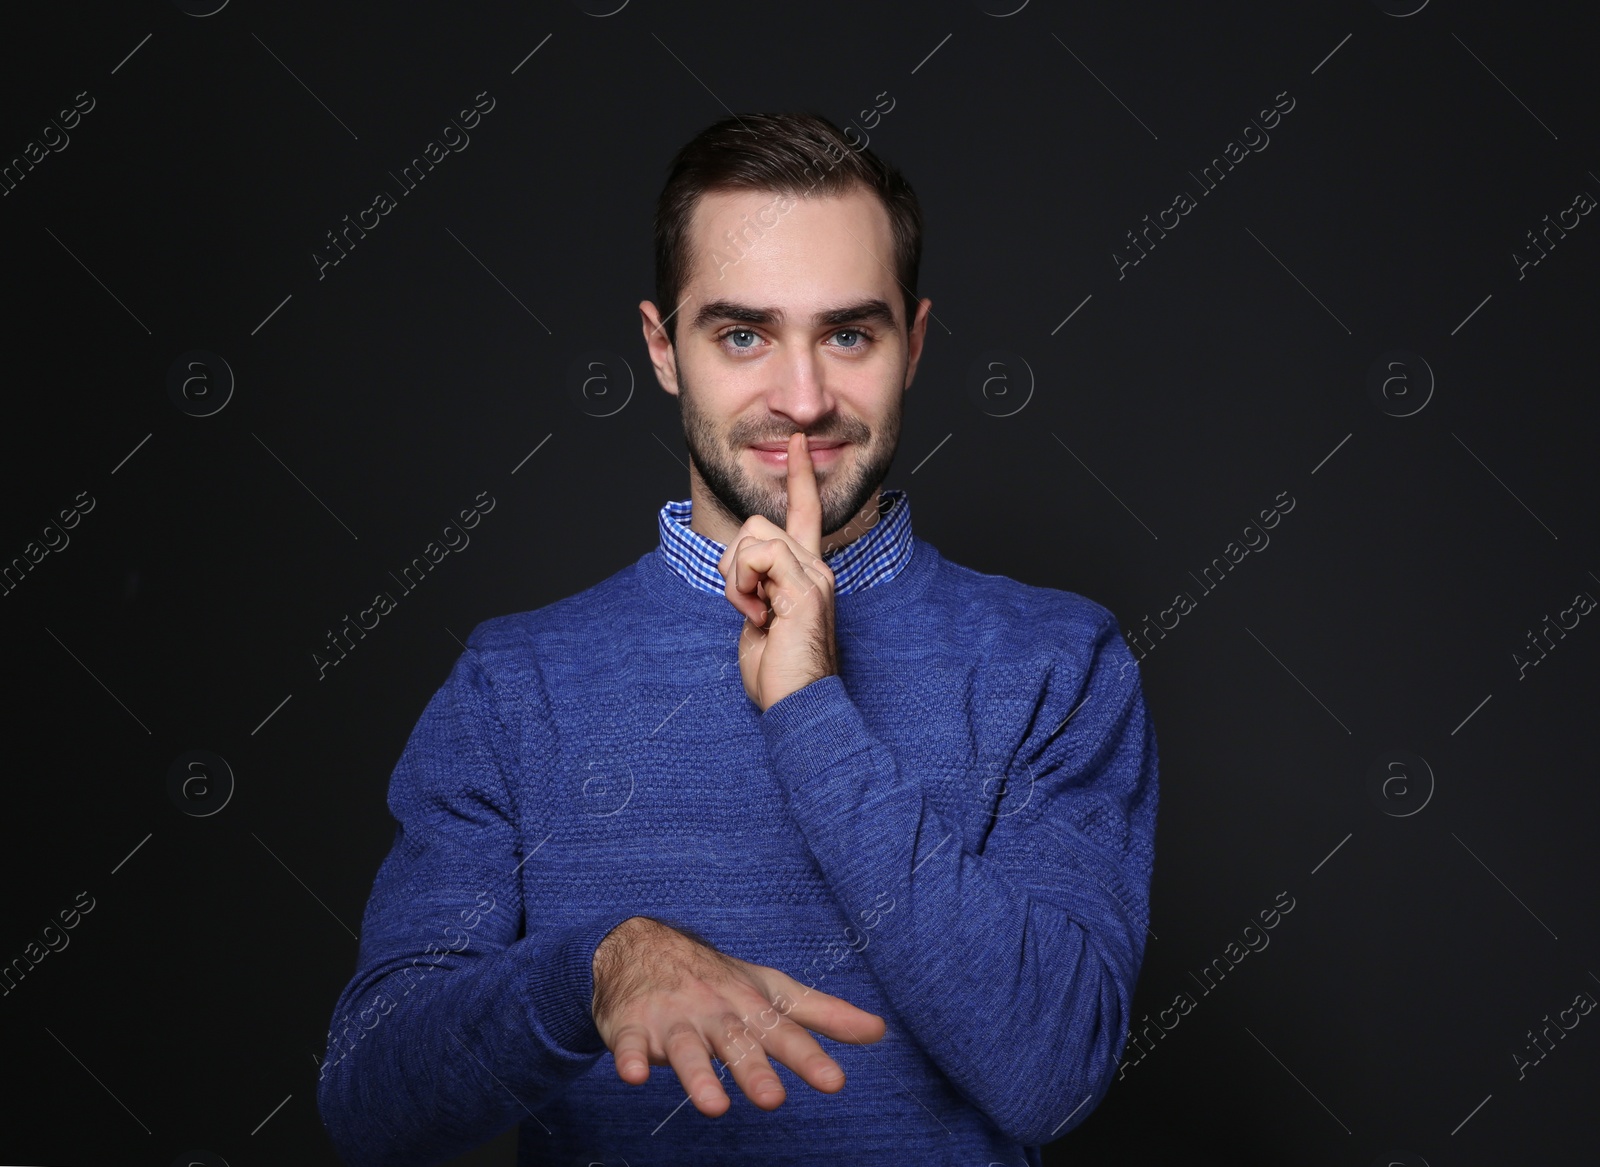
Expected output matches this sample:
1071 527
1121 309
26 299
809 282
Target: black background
1229 365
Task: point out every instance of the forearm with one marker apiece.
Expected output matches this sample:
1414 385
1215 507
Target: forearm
429 1060
1009 994
1002 981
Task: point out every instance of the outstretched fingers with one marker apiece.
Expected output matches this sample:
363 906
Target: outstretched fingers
691 1061
833 1016
792 1045
631 1051
741 1051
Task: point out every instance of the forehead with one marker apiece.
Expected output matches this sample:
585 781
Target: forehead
820 252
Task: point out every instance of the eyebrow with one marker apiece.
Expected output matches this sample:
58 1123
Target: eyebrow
860 312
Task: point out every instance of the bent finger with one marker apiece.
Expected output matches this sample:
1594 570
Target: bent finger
748 588
785 578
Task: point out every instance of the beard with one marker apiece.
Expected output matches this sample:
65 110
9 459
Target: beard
843 488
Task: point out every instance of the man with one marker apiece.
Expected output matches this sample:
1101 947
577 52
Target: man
790 799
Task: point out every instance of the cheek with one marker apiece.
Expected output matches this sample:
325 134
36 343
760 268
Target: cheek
716 389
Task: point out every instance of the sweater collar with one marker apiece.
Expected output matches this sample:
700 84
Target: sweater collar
876 557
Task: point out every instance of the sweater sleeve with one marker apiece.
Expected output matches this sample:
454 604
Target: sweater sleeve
1012 939
456 1024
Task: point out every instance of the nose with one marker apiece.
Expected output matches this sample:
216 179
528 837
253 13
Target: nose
797 391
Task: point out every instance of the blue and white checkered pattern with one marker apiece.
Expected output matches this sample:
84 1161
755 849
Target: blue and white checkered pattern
876 557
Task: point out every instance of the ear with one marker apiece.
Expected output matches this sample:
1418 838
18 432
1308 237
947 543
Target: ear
915 336
659 346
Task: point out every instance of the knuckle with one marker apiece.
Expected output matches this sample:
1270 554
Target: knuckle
793 1037
629 1033
682 1032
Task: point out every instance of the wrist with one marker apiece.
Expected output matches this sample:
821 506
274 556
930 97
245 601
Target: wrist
615 943
557 976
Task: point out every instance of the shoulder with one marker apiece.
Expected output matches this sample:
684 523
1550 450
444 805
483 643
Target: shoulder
1003 611
515 645
1030 646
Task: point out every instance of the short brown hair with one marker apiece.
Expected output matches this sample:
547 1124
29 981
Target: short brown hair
791 154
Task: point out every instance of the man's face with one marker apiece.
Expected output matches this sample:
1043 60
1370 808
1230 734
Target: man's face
791 319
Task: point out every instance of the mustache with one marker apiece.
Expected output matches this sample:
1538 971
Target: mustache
858 435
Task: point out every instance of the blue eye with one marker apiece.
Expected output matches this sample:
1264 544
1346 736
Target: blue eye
859 336
742 332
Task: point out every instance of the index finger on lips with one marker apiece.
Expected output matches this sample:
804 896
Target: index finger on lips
804 520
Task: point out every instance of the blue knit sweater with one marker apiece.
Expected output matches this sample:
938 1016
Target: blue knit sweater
954 833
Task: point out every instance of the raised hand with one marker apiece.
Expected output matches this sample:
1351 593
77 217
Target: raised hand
664 998
777 578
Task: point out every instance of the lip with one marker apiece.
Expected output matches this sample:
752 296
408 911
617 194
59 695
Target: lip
777 453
